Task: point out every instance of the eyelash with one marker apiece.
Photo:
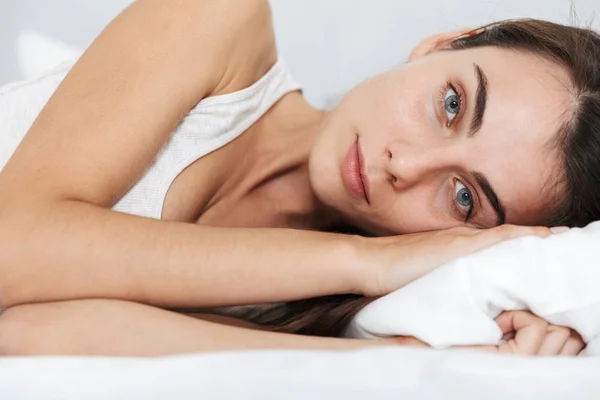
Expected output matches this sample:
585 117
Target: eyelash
455 206
443 92
450 86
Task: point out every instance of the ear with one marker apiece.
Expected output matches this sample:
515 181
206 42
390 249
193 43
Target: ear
440 41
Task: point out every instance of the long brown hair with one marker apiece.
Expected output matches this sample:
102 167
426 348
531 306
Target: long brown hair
575 49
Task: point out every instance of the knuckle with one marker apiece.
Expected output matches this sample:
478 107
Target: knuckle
542 325
561 331
536 319
504 231
509 231
541 231
533 320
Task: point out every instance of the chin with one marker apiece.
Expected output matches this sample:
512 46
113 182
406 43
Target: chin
328 188
368 228
322 176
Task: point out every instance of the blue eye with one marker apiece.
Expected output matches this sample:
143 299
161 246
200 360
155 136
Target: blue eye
452 104
464 198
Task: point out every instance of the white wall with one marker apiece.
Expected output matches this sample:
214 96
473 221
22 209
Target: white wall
329 44
62 22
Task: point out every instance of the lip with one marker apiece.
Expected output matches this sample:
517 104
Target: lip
363 176
353 174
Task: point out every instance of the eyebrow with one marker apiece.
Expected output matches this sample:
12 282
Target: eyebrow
476 123
480 100
491 196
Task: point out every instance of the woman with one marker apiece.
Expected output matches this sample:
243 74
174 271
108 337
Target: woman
183 121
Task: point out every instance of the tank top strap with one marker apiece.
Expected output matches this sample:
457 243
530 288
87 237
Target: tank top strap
210 125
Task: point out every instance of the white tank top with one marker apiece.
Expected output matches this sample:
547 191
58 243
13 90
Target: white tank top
214 122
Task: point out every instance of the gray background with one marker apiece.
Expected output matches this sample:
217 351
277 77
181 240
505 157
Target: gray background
330 45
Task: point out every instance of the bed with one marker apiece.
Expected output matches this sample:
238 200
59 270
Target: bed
386 373
360 40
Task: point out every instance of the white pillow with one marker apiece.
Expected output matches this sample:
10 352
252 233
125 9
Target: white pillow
557 278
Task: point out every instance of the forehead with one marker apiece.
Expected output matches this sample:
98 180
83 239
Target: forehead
529 99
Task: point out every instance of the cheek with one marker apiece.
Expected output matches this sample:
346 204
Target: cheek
418 209
408 116
398 101
329 149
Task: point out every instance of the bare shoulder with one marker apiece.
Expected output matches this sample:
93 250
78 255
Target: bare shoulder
234 40
120 102
253 49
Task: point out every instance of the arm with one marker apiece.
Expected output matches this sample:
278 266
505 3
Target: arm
96 136
77 250
116 328
104 126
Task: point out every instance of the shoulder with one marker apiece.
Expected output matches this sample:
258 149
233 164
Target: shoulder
223 45
251 44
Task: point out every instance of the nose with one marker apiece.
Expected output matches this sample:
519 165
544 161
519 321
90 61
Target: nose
408 164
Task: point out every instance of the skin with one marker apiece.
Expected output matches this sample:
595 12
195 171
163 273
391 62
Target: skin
80 156
417 156
415 153
109 327
416 163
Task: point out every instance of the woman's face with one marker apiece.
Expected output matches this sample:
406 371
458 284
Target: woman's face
452 138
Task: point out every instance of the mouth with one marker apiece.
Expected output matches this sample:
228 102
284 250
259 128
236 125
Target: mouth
353 173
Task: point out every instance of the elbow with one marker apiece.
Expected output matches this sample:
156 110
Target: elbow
17 255
15 333
12 292
8 297
29 330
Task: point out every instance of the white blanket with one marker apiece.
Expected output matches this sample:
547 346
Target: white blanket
557 278
376 373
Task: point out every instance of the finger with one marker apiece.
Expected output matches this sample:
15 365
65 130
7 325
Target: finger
490 237
471 242
530 332
409 341
505 322
529 339
555 340
558 341
513 321
574 345
508 232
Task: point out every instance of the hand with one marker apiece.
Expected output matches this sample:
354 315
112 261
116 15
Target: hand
390 263
529 335
525 334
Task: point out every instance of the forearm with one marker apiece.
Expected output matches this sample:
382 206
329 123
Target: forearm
74 250
117 328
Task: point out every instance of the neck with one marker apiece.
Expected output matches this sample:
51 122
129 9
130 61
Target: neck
274 169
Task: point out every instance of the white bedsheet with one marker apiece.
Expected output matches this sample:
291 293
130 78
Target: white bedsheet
380 373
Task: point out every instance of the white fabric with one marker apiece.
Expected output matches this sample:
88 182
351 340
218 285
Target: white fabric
213 123
557 278
20 104
382 373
